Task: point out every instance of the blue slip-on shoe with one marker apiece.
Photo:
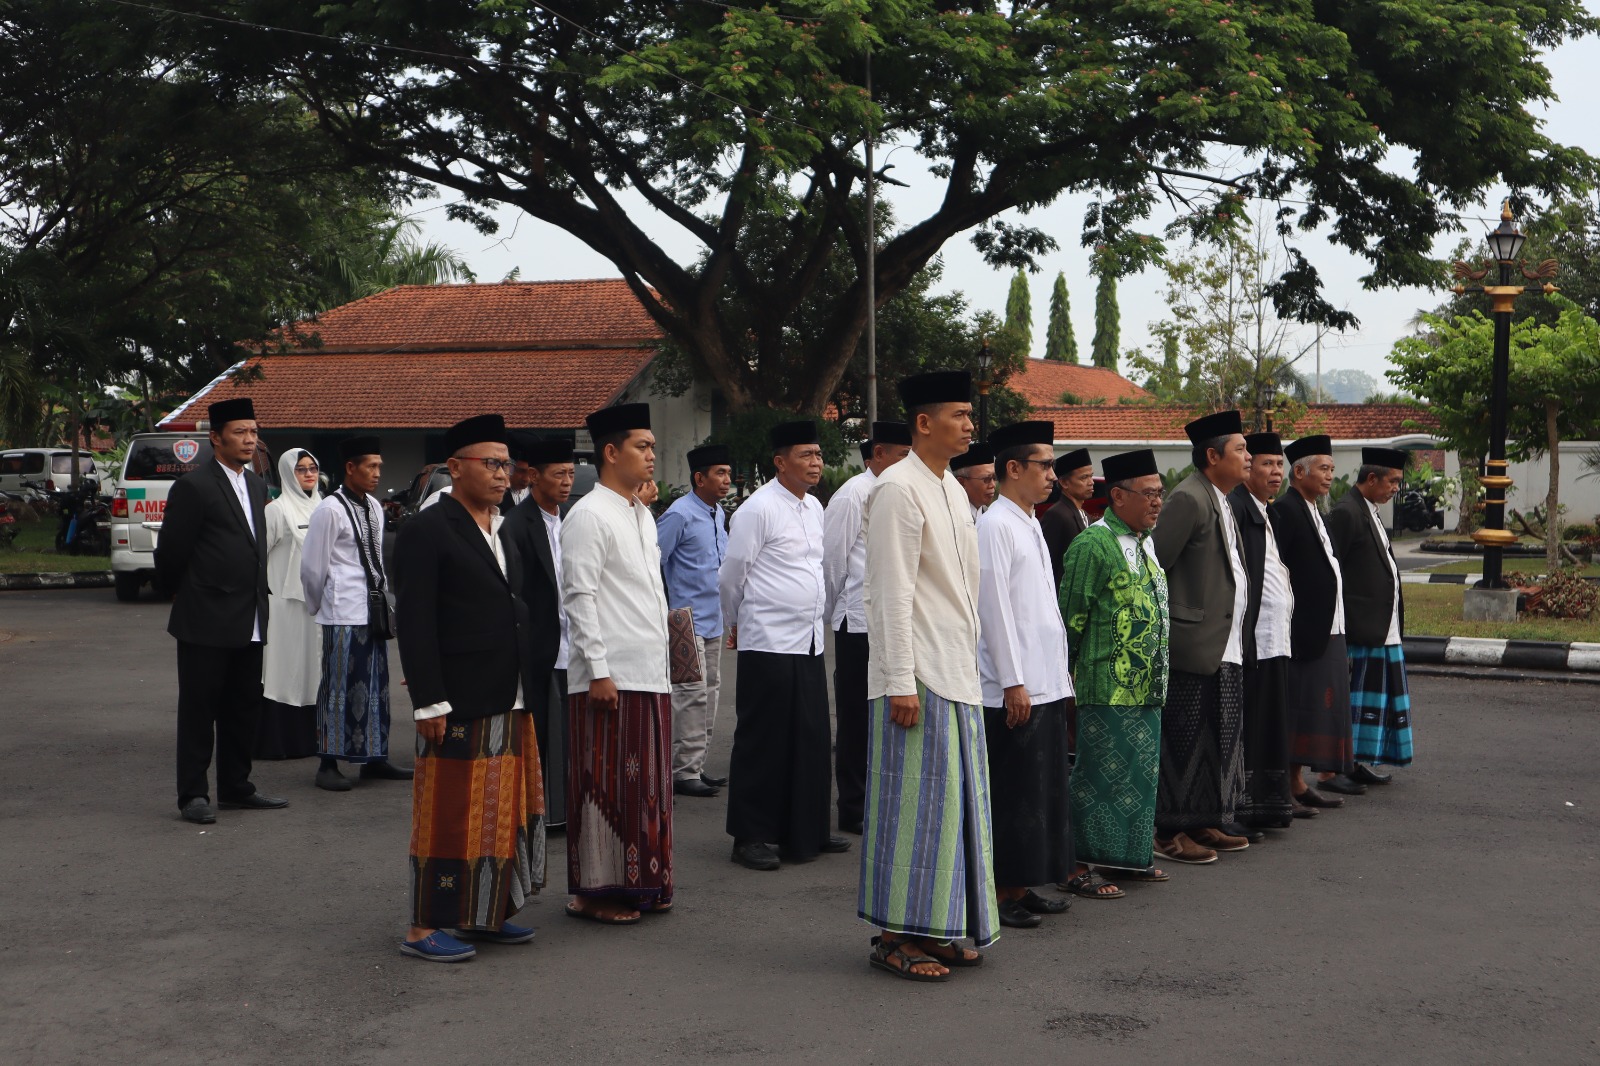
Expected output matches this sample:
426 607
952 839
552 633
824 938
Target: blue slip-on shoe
506 934
438 946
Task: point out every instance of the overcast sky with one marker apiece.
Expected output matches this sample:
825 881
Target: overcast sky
543 252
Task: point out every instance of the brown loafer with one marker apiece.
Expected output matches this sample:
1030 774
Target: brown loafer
1312 798
1300 810
1181 849
1217 840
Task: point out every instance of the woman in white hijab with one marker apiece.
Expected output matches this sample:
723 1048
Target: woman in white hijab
292 660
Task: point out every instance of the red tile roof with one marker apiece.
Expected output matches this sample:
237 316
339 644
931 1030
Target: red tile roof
371 390
1042 381
545 314
1133 422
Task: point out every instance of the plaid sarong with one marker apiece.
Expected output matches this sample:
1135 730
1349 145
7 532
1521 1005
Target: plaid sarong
1380 705
477 824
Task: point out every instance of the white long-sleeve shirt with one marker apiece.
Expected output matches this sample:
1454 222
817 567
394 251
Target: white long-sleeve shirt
1337 629
1023 640
330 569
844 553
552 530
242 491
1393 636
922 585
1234 652
612 593
1277 597
771 579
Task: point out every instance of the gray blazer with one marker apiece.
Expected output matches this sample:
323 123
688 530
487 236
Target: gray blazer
1189 542
1364 561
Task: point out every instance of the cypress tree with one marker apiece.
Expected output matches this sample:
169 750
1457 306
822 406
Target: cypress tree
1107 320
1019 310
1059 343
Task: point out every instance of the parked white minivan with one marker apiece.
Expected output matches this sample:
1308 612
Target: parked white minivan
50 468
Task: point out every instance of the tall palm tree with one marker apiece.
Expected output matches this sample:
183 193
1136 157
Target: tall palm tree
385 252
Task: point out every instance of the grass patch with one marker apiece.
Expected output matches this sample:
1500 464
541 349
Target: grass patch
1435 611
34 552
1475 566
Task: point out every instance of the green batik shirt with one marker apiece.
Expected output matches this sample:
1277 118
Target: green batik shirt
1116 617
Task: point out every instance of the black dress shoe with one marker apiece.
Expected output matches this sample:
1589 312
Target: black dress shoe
693 786
1366 775
198 811
384 771
1312 798
1014 914
1250 833
330 779
714 782
1342 785
1300 810
834 845
256 801
755 857
1034 903
851 827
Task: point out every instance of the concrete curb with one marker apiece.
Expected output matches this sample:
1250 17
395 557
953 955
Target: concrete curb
1486 652
1409 578
87 579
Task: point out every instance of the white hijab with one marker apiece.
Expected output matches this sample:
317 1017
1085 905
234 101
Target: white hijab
294 506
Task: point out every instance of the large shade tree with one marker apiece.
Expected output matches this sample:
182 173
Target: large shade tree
709 115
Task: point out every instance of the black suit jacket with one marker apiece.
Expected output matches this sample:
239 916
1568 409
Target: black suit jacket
1310 576
540 588
207 556
1253 539
1060 524
1368 582
463 631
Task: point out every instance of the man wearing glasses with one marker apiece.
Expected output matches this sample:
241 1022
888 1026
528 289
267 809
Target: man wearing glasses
477 810
974 472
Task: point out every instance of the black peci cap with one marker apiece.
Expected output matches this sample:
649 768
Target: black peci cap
1393 458
479 429
544 452
355 447
622 418
709 455
1221 424
235 410
941 386
1317 444
975 455
1019 434
1127 465
1264 443
891 433
1076 459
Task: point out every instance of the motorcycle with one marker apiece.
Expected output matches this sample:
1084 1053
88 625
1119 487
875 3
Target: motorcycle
1417 511
10 507
85 518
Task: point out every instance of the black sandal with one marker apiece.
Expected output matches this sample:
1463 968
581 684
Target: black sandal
893 958
1149 874
1089 885
958 957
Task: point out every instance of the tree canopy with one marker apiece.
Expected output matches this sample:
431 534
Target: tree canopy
716 115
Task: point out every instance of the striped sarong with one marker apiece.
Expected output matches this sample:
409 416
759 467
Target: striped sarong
477 824
927 859
619 799
353 696
1114 785
1380 705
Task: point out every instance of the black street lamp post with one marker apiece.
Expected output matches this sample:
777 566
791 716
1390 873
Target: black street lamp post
1505 245
985 361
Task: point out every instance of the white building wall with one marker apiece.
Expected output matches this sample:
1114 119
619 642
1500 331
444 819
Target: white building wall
679 423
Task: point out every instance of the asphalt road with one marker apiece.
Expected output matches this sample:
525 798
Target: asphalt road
1448 918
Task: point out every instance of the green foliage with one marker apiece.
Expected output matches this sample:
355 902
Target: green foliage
1173 478
1340 486
722 117
1072 399
1107 318
832 478
1562 593
1019 310
1059 342
747 438
666 496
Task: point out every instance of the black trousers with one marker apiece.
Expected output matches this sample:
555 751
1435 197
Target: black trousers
550 726
219 700
778 779
850 655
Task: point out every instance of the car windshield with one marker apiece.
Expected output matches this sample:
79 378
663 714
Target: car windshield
61 465
165 458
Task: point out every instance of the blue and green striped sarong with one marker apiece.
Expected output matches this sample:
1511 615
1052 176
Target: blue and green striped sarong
927 857
1380 705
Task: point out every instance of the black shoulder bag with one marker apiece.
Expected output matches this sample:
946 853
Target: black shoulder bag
380 617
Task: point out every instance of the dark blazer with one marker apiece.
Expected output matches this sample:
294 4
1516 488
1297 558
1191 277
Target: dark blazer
207 556
1368 582
464 633
1189 543
1253 539
1310 576
540 588
1060 524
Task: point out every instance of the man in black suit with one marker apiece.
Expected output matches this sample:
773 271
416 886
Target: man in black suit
1266 802
534 527
518 444
478 834
211 553
1066 518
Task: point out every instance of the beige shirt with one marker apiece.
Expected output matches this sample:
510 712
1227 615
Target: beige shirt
922 585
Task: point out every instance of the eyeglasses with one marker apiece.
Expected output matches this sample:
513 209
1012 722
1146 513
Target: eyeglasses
987 479
302 469
494 466
1150 495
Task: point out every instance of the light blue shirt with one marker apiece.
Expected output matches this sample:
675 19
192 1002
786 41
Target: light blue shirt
693 536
